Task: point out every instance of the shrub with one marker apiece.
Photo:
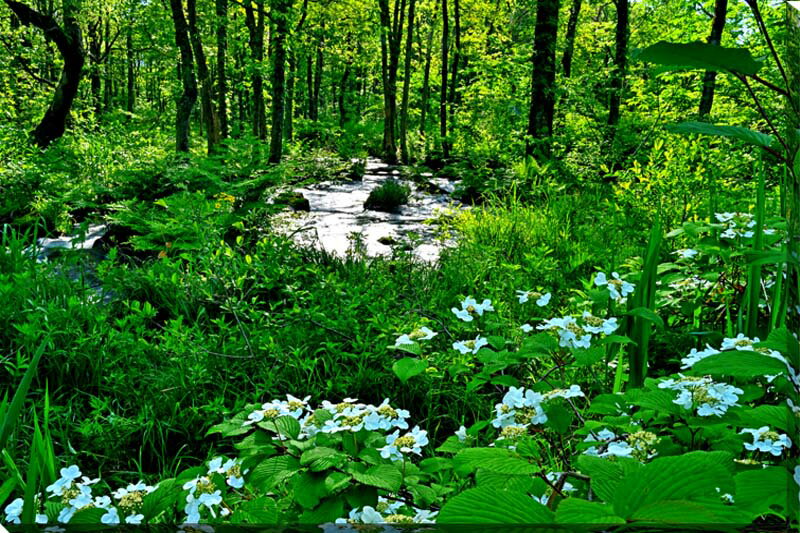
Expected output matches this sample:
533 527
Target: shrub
388 197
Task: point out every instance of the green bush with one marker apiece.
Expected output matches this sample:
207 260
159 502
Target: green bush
388 196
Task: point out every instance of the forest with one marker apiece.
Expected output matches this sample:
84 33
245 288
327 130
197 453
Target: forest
400 265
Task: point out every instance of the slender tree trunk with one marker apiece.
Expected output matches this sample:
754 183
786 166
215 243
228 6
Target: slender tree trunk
543 84
280 17
206 98
792 134
108 71
131 79
222 79
343 118
620 63
572 30
311 113
709 79
186 74
443 90
67 39
390 53
94 76
426 87
255 26
407 84
288 127
317 83
454 67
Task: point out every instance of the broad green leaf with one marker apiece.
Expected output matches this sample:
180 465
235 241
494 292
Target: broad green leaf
734 132
328 511
161 499
578 511
309 489
740 364
646 314
382 476
775 416
90 516
698 55
492 480
695 476
408 367
321 458
498 460
261 510
272 471
683 512
758 491
490 506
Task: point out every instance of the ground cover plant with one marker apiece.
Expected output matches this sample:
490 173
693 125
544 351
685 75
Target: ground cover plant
603 335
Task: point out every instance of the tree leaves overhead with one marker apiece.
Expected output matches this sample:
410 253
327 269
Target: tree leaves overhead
703 56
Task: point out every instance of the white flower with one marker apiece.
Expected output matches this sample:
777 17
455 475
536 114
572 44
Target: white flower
541 299
422 334
617 287
710 398
66 514
596 325
111 516
411 442
461 434
574 391
527 328
134 519
423 516
767 441
403 340
685 253
694 356
370 516
14 510
472 346
740 342
68 475
101 502
80 501
40 518
470 306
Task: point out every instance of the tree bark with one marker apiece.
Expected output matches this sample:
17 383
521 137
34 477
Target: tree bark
709 79
280 18
94 72
443 90
426 87
288 127
343 116
186 74
407 85
255 26
67 39
391 35
456 61
620 63
792 111
206 97
131 79
222 77
543 89
317 83
569 44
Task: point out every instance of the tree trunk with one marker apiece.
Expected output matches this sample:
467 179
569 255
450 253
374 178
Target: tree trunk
317 83
69 43
131 85
709 79
572 30
343 118
288 127
255 27
280 17
206 98
108 80
186 74
456 60
94 73
222 79
443 90
620 63
426 87
311 113
792 129
543 84
390 55
406 85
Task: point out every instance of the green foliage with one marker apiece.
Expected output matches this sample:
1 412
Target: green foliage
388 196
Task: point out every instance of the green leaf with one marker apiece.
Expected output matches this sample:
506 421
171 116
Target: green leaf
577 511
158 501
309 489
740 364
272 471
682 512
321 458
490 506
646 314
695 477
261 510
492 480
288 426
87 516
11 414
758 491
605 475
702 56
734 132
382 476
328 511
408 367
775 416
498 460
558 418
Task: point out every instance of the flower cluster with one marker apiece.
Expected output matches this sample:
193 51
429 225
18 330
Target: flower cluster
638 445
522 408
385 512
470 308
411 442
472 346
421 334
737 225
702 393
618 288
578 334
540 299
767 441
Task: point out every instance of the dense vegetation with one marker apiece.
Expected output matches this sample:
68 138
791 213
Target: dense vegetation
607 340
